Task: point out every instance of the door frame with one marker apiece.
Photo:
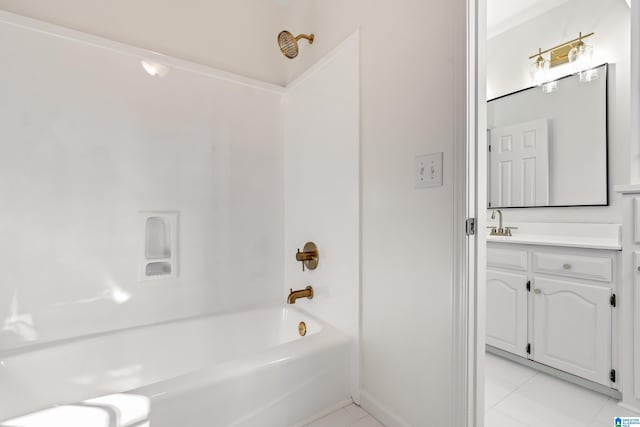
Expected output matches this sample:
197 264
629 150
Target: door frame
470 201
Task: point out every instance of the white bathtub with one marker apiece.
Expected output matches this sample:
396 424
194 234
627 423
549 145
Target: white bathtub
241 369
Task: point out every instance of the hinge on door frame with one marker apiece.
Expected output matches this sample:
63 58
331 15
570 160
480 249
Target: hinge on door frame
528 285
470 226
529 348
489 147
612 300
612 375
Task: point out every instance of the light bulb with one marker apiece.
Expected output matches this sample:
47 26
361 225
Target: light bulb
155 69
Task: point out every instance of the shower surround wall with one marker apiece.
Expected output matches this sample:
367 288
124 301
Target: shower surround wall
321 164
88 141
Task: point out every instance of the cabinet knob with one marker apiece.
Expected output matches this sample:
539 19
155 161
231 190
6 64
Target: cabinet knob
567 266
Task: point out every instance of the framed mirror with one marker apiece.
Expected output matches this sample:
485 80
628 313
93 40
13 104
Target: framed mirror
549 149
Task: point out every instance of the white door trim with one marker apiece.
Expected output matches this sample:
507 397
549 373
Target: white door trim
470 201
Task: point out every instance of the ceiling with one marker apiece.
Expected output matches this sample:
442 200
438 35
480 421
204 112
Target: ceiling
503 15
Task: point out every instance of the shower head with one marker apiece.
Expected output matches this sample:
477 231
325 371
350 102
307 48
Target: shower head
289 44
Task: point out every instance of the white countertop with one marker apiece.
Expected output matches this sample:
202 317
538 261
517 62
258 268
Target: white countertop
627 189
572 235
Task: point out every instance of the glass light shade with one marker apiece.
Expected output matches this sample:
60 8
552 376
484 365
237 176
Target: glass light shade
540 71
588 75
581 58
550 87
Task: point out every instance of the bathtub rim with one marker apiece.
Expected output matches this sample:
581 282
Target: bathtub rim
42 345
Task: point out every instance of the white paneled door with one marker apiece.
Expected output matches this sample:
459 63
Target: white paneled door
572 328
519 164
507 311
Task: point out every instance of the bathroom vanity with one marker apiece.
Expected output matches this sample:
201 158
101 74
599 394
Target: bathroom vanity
551 298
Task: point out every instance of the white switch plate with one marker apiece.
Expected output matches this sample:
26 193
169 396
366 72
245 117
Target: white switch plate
429 170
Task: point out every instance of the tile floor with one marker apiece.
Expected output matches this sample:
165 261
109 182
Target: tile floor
349 416
517 396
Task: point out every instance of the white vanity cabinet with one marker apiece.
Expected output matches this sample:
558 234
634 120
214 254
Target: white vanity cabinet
507 300
554 306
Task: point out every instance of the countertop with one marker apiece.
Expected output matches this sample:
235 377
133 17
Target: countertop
571 235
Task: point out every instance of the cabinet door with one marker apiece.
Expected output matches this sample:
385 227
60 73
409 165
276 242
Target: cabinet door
507 311
572 328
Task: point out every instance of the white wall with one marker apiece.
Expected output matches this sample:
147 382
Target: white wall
89 140
634 146
322 185
508 70
412 94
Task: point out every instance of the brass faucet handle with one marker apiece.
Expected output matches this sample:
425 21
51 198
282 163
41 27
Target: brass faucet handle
507 230
298 258
308 256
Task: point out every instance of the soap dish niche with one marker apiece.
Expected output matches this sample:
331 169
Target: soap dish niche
159 245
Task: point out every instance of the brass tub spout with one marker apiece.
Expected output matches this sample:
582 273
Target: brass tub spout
302 293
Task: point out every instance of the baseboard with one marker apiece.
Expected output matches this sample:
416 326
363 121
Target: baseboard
323 413
635 406
599 388
380 412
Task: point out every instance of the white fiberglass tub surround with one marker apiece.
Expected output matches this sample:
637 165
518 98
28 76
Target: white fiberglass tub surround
241 369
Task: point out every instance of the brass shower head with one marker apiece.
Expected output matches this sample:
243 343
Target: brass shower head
289 44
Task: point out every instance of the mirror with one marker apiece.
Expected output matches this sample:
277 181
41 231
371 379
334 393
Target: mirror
549 149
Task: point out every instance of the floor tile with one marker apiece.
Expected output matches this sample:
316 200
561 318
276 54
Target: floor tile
495 418
356 411
499 368
611 410
496 390
368 421
339 418
545 401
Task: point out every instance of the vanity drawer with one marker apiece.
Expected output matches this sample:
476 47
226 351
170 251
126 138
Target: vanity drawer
510 259
598 268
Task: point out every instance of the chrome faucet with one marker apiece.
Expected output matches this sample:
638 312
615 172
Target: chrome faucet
493 216
500 231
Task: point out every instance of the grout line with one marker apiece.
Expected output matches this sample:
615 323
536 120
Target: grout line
518 387
595 418
366 414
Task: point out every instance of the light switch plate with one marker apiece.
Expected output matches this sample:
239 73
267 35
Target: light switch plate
428 170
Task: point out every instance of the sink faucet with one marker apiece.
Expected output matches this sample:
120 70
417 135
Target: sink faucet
493 216
302 293
500 230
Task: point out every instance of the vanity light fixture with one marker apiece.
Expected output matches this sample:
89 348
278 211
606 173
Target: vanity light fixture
574 51
154 69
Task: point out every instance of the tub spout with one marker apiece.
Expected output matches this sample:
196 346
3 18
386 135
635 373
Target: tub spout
302 293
